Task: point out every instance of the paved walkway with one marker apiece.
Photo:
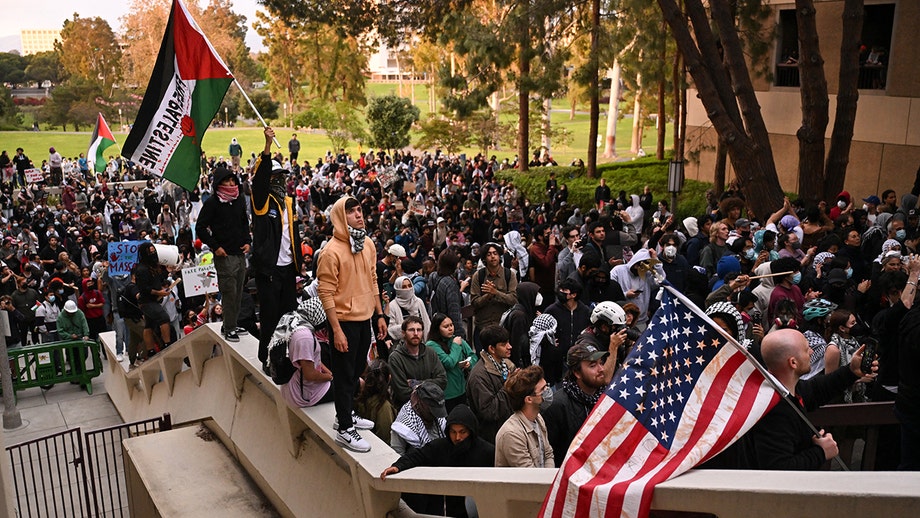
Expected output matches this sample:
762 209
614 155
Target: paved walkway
62 407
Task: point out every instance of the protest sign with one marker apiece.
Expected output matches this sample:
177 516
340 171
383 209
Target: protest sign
122 257
34 175
199 280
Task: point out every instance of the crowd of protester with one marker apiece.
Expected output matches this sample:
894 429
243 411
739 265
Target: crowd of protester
506 317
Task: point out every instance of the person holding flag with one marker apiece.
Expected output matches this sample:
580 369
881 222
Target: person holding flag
276 250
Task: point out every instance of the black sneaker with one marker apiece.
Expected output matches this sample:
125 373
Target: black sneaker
241 331
231 336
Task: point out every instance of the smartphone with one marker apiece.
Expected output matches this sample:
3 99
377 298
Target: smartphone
868 354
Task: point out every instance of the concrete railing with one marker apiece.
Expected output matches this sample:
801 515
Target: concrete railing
291 455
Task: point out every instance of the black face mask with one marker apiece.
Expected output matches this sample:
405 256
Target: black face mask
562 297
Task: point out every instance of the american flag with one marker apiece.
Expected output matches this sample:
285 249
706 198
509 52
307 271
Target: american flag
683 395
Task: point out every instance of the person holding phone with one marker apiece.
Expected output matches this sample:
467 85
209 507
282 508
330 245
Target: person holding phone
455 355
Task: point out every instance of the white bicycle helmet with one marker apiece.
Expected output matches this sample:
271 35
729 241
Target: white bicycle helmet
609 313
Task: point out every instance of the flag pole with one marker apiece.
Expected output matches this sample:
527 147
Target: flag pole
254 110
777 386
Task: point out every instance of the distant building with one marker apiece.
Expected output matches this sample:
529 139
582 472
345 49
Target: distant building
885 148
38 40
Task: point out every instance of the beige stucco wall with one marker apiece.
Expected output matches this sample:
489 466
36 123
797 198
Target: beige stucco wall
885 152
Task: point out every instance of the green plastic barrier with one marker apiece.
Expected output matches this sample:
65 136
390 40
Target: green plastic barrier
44 365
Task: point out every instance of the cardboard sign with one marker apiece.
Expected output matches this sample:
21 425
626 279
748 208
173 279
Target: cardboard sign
417 208
408 186
34 175
122 256
199 280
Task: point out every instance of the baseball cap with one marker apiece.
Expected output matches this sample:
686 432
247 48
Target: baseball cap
433 397
742 222
440 219
397 250
580 352
873 200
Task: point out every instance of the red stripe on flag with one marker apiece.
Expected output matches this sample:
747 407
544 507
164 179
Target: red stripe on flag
710 407
707 411
736 421
581 453
103 129
194 56
624 452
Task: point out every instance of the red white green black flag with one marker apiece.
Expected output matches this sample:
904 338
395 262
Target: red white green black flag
102 139
186 88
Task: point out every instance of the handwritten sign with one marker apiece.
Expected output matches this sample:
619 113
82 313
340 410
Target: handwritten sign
122 257
199 280
34 175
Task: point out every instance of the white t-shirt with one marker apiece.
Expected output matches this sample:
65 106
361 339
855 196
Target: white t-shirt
285 254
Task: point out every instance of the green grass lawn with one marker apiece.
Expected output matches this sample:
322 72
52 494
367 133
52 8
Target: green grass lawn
315 145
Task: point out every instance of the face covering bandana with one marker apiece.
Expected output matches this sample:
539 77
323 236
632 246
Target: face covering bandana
539 300
277 186
227 193
670 251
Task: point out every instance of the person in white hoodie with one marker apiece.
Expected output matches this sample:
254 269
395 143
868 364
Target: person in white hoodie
639 278
762 292
636 213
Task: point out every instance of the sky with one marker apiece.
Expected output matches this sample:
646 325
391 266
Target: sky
37 14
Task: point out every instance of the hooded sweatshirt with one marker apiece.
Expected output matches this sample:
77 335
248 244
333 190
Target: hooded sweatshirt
472 452
636 213
405 367
347 281
223 224
520 319
406 303
623 275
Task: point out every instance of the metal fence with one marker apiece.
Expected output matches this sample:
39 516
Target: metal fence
76 474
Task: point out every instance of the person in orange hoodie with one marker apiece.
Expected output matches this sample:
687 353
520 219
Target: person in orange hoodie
347 274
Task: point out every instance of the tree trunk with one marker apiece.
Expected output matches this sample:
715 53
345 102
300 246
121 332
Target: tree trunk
725 98
613 111
572 108
594 87
838 157
662 122
636 140
718 175
524 100
814 105
546 126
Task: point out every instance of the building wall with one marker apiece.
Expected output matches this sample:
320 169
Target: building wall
885 151
38 40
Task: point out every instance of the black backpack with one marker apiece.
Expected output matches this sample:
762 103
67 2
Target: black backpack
127 302
280 367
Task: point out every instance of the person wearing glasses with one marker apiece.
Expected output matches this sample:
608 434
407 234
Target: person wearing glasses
522 442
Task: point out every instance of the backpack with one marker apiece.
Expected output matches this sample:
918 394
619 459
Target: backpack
309 313
280 366
127 302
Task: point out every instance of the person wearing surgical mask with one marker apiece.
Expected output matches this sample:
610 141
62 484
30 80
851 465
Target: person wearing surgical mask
676 267
523 442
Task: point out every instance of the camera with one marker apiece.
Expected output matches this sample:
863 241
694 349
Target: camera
868 354
581 242
632 334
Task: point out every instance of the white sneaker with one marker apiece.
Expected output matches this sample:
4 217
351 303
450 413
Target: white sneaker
357 421
352 440
120 358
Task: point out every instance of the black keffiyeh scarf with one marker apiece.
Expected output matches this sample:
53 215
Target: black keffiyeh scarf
570 386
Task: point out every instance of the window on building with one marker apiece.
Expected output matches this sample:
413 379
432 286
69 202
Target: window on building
787 65
874 53
875 50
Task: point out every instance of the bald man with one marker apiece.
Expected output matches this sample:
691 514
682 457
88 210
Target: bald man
781 440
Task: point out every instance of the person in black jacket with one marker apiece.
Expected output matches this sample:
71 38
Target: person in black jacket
781 440
581 388
519 320
224 227
461 448
274 223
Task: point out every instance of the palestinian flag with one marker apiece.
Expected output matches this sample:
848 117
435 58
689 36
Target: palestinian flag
102 140
186 88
